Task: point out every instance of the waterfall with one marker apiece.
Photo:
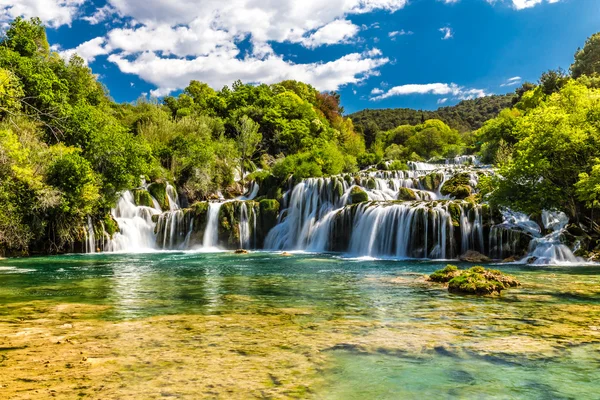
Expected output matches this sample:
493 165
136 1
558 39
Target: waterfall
244 227
401 231
550 249
211 233
90 237
135 225
173 197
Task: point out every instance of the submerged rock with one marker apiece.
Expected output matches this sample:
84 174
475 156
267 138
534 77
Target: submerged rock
476 280
474 257
241 251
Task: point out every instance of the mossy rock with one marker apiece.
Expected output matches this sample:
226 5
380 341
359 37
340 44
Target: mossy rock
406 194
445 275
358 195
158 190
110 225
371 184
457 186
455 211
268 212
142 197
473 256
431 182
477 280
338 188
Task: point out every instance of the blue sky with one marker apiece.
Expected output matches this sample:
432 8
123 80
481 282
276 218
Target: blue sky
376 53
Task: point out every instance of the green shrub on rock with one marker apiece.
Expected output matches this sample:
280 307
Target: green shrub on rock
445 275
358 195
141 197
158 190
406 194
476 280
457 186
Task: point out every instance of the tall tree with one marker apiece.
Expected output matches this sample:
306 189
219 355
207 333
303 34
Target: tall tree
248 138
587 60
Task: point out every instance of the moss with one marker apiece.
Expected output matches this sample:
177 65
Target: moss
445 275
110 225
358 195
338 188
406 194
158 190
476 280
371 184
431 182
142 197
457 186
454 210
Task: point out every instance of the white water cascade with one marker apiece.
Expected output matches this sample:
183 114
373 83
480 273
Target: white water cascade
550 249
90 237
135 225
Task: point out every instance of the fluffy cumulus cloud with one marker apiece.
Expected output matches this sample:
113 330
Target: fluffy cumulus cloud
168 43
440 89
87 50
173 73
53 12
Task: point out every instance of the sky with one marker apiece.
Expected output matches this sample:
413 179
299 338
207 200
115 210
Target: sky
419 54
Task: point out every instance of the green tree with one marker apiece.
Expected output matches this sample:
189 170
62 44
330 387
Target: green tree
587 60
248 139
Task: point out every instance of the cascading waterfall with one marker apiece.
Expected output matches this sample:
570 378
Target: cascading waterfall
90 237
317 215
135 225
550 249
211 233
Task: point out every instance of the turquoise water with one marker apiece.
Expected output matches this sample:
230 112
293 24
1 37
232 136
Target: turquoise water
385 332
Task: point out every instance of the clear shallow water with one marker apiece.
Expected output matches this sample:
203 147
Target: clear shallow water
368 328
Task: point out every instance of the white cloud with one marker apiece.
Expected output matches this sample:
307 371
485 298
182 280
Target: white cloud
53 13
515 80
522 4
440 89
376 91
169 74
442 100
170 43
447 31
338 31
401 32
88 50
101 14
450 1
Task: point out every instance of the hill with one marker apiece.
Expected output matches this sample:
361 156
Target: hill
466 116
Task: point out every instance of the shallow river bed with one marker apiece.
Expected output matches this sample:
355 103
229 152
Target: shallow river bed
193 325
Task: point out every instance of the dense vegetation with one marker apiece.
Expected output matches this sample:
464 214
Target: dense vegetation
468 115
67 150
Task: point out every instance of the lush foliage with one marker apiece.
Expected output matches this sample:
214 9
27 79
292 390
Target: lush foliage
67 150
555 144
587 60
467 115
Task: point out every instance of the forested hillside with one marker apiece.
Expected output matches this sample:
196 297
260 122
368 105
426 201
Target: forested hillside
468 115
